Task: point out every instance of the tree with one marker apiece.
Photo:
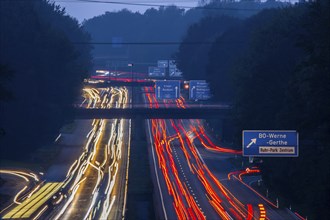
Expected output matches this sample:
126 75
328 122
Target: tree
166 24
193 52
5 75
37 45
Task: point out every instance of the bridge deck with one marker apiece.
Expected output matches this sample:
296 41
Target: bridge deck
148 113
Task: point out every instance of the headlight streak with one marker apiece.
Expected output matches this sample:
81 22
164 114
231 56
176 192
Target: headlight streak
72 166
99 176
83 102
106 156
91 137
72 173
111 139
98 137
33 191
95 195
24 175
18 194
127 166
111 180
59 200
41 212
89 133
81 171
21 174
57 138
111 154
107 207
33 204
73 193
15 173
76 175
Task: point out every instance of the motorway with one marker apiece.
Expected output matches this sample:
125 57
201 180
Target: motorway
97 181
198 175
192 174
95 186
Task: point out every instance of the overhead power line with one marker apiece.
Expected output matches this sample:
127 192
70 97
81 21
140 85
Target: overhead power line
156 43
150 5
159 5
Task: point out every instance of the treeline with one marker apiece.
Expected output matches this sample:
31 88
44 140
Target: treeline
274 67
133 34
129 36
240 9
218 17
41 73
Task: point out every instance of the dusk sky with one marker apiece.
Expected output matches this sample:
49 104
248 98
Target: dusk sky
85 10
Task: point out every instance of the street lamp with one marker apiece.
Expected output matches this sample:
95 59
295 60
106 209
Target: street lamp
131 65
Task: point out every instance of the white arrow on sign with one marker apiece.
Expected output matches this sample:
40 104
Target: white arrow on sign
253 141
191 91
158 91
176 92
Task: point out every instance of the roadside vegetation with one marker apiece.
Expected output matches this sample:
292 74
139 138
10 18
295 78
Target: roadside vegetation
41 73
273 67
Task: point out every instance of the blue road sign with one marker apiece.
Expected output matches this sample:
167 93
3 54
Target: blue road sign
174 72
169 89
172 64
199 89
162 63
156 71
270 143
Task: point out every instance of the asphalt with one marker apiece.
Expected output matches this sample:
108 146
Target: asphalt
219 164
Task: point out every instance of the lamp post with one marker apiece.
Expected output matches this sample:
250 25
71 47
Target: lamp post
131 65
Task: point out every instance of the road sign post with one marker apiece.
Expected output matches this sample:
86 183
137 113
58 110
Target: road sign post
132 97
266 143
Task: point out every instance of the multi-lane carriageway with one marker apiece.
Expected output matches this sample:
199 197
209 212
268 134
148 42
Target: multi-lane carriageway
192 176
98 179
181 154
95 185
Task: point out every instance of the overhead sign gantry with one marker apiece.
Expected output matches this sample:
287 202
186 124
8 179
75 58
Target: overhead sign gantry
199 90
167 89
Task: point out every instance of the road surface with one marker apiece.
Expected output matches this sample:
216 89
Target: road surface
191 174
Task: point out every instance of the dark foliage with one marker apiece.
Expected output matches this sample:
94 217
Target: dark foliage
193 58
47 69
282 82
166 24
219 16
240 9
5 76
275 69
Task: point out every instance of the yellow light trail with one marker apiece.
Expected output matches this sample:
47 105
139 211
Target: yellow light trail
98 156
24 175
18 194
31 205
